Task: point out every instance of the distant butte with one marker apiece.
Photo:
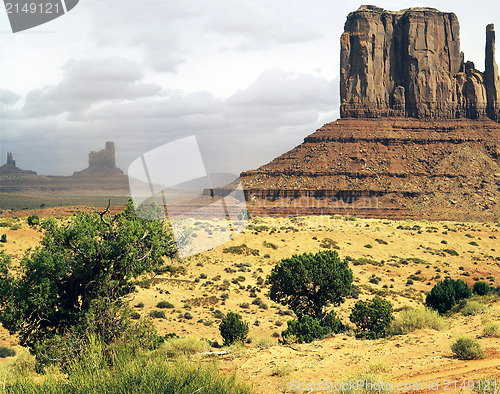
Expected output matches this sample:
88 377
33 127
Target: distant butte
418 135
9 169
101 163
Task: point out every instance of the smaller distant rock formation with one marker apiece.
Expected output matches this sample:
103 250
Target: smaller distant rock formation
9 169
101 162
104 158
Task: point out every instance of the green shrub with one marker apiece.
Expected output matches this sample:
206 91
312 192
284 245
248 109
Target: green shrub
366 260
481 288
412 260
241 249
466 348
372 318
307 329
15 227
77 278
444 295
381 241
414 319
416 277
165 305
328 243
219 315
233 329
6 352
491 330
157 314
3 238
451 252
332 322
309 282
33 220
270 245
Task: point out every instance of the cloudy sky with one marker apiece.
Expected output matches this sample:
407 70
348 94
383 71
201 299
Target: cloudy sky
249 78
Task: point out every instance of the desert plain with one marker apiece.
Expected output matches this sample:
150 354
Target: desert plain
398 260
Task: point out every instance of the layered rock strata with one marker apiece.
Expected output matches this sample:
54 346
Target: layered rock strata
376 167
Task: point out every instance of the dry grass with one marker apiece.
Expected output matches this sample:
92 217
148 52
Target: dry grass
414 319
473 308
263 342
491 330
175 347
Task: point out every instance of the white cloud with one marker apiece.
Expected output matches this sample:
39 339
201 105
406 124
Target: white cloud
260 27
276 87
88 82
161 52
8 98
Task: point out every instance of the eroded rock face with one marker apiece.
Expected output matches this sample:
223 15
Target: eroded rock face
408 63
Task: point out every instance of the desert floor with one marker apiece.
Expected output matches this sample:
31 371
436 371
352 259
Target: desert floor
383 255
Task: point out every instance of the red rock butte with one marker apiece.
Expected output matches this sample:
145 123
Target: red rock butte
418 135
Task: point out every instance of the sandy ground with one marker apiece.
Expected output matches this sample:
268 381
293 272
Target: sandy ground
423 356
